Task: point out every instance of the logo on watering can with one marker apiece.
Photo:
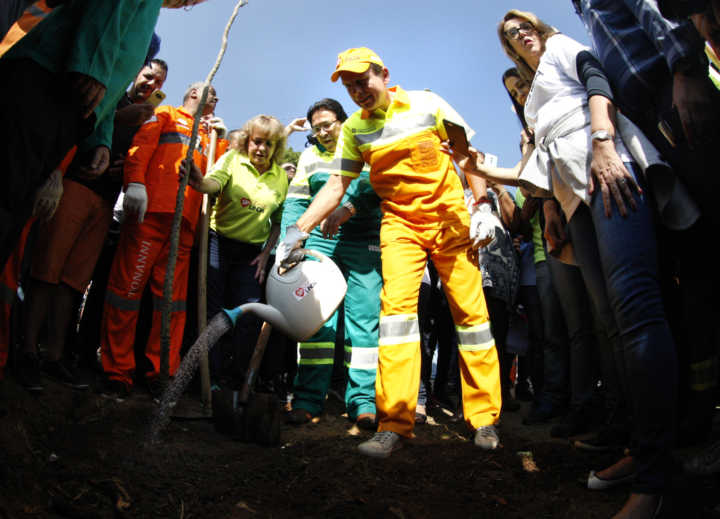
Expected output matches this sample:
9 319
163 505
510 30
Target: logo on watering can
301 292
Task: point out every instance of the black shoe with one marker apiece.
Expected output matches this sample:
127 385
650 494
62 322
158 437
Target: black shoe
694 431
523 392
3 397
612 437
298 416
704 463
541 413
509 404
115 389
28 372
574 423
64 373
368 421
442 400
155 387
457 417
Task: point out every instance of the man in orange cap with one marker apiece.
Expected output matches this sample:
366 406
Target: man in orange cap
399 134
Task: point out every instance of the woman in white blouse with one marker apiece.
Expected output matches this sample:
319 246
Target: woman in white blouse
580 161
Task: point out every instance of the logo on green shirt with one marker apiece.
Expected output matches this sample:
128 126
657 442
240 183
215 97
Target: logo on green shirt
248 204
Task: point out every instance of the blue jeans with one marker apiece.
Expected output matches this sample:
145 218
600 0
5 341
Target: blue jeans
554 390
231 282
618 261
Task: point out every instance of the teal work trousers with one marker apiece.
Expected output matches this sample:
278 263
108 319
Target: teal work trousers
359 262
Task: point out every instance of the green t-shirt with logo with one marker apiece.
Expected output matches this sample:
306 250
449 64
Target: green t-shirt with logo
249 202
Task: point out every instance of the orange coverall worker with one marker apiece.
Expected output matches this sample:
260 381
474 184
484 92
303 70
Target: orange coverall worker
424 214
32 16
10 277
153 160
9 283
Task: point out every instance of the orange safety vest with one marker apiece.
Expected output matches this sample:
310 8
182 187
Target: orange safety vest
154 158
416 181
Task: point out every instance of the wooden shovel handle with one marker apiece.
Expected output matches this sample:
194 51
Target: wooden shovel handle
255 361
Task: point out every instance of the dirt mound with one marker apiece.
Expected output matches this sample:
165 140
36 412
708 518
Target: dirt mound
76 454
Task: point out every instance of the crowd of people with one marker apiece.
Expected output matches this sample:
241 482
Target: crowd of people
592 240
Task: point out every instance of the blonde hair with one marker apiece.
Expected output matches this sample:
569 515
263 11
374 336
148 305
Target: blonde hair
269 124
544 32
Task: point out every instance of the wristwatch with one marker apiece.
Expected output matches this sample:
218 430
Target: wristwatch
601 135
350 207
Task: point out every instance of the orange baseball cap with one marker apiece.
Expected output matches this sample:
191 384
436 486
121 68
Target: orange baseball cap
355 60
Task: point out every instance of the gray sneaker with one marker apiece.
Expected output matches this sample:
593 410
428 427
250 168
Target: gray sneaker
381 445
486 437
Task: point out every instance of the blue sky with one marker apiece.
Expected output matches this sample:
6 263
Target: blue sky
281 54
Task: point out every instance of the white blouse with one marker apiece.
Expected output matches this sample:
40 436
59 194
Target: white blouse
556 108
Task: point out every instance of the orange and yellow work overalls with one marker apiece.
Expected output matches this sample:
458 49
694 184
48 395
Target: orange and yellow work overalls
424 215
154 160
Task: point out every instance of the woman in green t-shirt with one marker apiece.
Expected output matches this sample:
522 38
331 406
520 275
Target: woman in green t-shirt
250 187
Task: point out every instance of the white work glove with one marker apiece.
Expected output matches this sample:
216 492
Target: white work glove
135 201
48 196
482 226
218 124
292 241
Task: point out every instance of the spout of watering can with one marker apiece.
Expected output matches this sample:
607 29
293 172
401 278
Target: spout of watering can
234 313
265 312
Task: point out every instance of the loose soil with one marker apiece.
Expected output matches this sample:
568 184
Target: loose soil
75 454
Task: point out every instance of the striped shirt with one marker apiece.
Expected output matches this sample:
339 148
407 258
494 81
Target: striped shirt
637 47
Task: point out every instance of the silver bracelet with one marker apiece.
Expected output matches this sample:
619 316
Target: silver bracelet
348 205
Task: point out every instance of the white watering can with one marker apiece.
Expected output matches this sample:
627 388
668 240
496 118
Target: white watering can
300 299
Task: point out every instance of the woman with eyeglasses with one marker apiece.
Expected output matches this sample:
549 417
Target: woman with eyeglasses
351 237
250 187
570 335
581 160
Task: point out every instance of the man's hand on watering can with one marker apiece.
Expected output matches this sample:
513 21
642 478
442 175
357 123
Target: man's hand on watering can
293 240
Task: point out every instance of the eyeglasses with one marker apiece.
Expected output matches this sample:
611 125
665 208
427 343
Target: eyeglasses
514 33
323 127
